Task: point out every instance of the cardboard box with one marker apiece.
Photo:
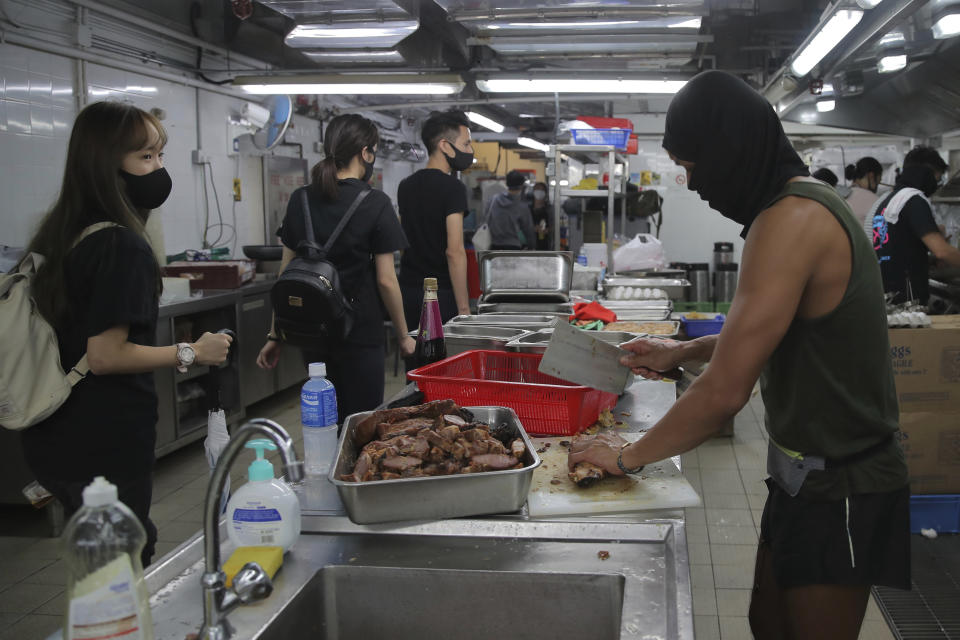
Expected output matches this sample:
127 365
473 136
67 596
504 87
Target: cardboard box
213 274
931 445
926 366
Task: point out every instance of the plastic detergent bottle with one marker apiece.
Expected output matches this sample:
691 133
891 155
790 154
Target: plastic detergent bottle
264 512
318 415
106 595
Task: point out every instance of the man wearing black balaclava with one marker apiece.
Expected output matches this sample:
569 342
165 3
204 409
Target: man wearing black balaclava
808 320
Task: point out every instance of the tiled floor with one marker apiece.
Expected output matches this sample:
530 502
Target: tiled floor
722 535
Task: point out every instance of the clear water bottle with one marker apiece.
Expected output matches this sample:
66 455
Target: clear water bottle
106 595
318 415
582 257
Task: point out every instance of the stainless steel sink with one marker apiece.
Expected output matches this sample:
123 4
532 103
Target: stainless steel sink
412 604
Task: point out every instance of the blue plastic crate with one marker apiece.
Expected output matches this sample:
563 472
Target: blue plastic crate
614 137
938 512
706 327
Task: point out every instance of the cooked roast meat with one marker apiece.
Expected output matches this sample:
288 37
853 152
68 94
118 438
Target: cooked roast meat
438 438
503 432
585 474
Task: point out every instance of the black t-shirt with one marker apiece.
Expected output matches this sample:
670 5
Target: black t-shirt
108 423
426 199
373 229
900 250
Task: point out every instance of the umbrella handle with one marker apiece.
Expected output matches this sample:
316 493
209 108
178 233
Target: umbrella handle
233 346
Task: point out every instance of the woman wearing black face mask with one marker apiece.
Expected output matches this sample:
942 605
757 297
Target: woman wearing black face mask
363 255
808 320
100 293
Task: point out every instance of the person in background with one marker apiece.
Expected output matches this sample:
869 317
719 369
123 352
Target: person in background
866 175
432 203
903 230
825 175
363 255
509 217
808 320
101 295
540 208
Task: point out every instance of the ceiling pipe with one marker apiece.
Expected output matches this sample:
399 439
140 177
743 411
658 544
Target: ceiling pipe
461 102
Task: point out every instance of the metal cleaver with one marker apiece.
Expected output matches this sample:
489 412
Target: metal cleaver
576 356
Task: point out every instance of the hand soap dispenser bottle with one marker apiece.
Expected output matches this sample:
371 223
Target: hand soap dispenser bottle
265 511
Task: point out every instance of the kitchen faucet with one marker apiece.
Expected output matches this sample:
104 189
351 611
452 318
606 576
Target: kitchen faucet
251 583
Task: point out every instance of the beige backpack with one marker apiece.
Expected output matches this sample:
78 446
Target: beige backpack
32 382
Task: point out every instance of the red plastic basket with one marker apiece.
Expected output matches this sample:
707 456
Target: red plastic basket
544 404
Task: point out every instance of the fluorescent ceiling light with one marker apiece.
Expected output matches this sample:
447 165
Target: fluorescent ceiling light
894 37
889 64
868 4
808 117
533 144
484 121
835 30
345 57
347 35
826 105
356 84
692 23
947 25
827 88
679 22
578 85
529 115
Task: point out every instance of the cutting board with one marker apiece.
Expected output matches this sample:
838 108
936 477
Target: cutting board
552 493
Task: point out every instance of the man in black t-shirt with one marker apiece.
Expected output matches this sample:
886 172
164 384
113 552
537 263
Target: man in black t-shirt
903 229
432 204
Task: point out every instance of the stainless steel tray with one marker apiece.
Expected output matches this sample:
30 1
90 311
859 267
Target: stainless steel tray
672 287
544 275
671 328
649 313
514 320
537 342
616 305
527 308
465 337
434 497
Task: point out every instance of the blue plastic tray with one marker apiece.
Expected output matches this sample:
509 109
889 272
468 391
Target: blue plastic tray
699 328
938 512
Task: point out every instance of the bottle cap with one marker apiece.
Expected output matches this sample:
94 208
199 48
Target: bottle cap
261 468
317 369
430 284
99 493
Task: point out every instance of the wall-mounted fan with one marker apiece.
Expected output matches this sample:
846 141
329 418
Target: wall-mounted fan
261 125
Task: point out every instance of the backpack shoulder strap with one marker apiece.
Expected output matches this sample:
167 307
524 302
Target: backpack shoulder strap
93 228
344 220
78 372
308 220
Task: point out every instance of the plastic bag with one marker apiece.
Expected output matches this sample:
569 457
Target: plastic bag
216 441
644 251
482 238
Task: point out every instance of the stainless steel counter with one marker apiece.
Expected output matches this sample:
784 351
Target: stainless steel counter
511 565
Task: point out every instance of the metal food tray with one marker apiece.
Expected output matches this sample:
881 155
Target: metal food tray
650 313
434 497
616 305
543 275
514 320
674 326
526 308
672 287
464 337
537 342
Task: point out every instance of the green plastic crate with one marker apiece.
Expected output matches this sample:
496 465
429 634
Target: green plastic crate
723 307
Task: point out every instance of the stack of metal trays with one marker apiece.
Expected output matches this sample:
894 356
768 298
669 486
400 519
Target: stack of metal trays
620 288
466 337
527 308
526 276
529 322
640 309
536 342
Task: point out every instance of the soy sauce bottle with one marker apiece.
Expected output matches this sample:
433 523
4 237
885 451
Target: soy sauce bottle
430 344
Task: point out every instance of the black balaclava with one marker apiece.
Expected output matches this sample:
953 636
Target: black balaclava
918 176
148 191
742 156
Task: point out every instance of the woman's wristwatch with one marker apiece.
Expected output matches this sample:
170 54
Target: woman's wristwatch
186 356
620 461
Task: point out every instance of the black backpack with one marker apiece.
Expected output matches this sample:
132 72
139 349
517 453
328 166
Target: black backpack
309 306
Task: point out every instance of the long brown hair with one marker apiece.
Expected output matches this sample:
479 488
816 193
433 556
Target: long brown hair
346 136
92 191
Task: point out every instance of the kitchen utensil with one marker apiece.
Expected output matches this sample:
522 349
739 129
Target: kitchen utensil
576 356
552 493
698 274
534 275
722 253
725 282
673 287
434 497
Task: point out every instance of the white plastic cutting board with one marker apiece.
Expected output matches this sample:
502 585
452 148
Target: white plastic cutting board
659 486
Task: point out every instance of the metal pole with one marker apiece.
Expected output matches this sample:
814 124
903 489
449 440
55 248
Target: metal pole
611 188
556 198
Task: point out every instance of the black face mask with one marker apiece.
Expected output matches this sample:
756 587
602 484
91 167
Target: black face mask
460 161
367 168
148 191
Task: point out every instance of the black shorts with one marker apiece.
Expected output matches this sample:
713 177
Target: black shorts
864 540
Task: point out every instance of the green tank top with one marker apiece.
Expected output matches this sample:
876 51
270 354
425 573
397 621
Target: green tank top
828 387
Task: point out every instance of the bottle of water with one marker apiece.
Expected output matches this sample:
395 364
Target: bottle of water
582 257
318 414
105 590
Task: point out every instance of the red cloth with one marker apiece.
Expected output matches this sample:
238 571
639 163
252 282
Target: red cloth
592 311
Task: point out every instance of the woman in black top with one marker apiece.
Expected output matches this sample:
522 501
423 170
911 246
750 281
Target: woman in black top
101 296
363 255
540 208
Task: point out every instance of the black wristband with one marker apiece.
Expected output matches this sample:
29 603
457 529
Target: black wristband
620 462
